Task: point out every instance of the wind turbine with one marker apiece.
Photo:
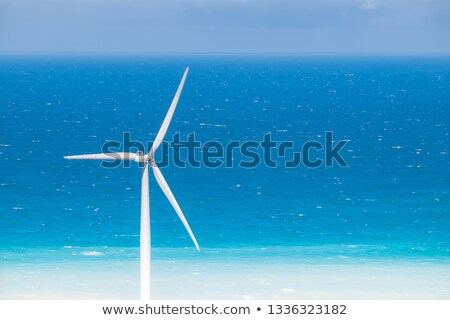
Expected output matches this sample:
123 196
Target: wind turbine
148 160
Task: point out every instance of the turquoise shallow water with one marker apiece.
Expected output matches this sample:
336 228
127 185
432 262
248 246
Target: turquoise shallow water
391 203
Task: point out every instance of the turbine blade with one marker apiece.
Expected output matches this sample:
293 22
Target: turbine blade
165 188
165 125
104 156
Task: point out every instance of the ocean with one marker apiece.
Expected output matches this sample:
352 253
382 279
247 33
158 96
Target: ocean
390 204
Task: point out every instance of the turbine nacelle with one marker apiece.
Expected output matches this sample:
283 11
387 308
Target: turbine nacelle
140 157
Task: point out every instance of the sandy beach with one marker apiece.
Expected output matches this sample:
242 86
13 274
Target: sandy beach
171 279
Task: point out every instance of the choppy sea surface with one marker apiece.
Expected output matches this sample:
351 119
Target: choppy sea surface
392 202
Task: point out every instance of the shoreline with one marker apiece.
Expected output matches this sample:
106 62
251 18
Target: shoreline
96 277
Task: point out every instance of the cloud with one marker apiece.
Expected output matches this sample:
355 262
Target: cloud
369 5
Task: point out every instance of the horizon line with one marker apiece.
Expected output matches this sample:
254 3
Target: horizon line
212 54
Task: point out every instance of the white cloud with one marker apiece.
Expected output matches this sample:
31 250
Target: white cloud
368 5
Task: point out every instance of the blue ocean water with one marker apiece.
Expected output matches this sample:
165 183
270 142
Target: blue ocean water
391 202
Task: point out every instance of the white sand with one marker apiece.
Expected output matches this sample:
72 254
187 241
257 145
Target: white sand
229 280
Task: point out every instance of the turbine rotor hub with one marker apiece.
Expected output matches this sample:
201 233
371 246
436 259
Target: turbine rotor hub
141 157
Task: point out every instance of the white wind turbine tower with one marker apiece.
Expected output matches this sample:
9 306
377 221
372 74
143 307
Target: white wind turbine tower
148 160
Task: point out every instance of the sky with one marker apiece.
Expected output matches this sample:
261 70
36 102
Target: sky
225 26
